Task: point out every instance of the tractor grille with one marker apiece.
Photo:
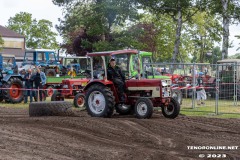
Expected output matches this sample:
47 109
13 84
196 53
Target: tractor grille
166 88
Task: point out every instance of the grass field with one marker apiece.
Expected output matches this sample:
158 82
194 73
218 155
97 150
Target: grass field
226 108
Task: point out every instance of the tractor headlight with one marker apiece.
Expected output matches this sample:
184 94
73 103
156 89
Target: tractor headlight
164 84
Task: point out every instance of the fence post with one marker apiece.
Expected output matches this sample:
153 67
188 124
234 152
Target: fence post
194 86
217 89
235 83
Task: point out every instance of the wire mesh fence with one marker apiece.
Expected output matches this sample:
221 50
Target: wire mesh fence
218 85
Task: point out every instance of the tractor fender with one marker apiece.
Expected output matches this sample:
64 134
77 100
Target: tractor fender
101 82
8 76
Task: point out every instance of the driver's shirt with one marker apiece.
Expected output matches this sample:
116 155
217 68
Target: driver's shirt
114 73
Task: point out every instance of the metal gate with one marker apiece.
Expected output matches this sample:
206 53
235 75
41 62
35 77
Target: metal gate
220 82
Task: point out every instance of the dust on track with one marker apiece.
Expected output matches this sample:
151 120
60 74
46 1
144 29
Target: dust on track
119 137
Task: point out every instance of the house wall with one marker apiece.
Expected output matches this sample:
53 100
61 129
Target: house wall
16 43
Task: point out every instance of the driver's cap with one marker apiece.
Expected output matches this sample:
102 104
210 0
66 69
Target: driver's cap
112 59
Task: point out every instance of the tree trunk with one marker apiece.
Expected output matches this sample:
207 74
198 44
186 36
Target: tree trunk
177 36
225 43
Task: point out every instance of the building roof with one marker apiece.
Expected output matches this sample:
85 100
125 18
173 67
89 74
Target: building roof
5 32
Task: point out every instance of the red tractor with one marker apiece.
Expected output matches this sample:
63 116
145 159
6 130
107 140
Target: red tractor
141 94
71 89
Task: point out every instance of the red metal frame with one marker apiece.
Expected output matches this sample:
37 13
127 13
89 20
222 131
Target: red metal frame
110 53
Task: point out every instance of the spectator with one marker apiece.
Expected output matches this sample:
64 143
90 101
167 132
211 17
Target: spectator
201 94
28 78
40 81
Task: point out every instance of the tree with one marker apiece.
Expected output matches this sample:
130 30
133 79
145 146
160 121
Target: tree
38 34
230 12
216 55
177 9
203 31
97 18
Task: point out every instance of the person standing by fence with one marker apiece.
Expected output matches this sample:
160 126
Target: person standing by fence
39 81
28 78
201 94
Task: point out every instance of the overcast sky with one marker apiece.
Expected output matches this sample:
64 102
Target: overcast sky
45 9
40 9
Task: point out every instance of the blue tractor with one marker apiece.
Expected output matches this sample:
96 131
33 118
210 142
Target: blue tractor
10 80
47 59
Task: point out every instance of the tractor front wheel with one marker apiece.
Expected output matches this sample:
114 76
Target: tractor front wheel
143 108
50 90
100 101
171 110
79 100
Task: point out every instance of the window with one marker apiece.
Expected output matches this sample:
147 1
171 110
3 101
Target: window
29 57
52 57
84 63
8 62
41 56
122 61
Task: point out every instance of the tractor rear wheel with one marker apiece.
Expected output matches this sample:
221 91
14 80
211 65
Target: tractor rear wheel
57 97
171 110
143 108
13 92
79 100
177 95
100 101
50 72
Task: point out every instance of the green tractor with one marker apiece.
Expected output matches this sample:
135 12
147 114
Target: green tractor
149 72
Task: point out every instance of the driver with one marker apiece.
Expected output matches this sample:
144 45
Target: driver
115 74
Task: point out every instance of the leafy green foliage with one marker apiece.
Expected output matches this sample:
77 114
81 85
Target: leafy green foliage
177 9
203 33
98 20
168 28
229 11
38 34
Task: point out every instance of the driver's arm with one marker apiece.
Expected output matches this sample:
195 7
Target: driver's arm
109 74
121 74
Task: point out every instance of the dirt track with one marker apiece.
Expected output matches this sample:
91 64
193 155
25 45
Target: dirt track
83 137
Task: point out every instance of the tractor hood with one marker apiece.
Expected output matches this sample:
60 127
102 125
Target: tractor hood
147 83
